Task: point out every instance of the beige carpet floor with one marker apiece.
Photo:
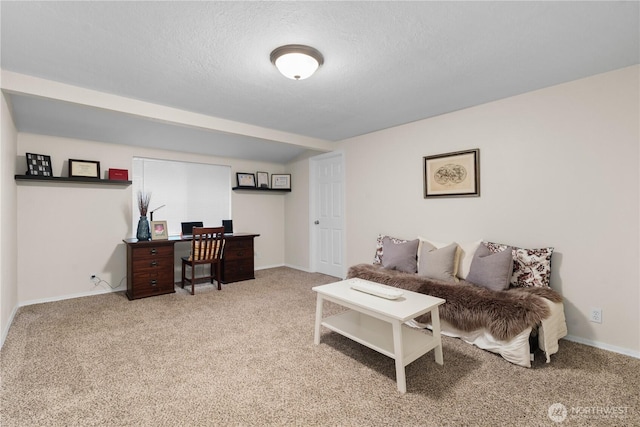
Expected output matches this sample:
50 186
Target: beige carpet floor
244 356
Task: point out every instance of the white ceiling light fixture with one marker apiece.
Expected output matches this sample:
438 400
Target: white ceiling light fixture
296 61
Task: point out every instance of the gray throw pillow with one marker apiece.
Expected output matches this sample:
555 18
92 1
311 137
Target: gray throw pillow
491 270
439 264
400 256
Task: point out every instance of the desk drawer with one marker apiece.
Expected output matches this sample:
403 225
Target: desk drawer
149 287
152 264
235 271
147 252
242 249
165 273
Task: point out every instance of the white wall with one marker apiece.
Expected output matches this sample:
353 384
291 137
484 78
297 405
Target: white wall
559 167
8 218
297 215
75 230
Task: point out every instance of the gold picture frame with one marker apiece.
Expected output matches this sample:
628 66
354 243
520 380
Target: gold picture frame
455 174
159 230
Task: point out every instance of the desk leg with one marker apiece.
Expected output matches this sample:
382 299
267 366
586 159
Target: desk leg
435 329
316 333
398 351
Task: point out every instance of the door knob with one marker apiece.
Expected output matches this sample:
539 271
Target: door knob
316 222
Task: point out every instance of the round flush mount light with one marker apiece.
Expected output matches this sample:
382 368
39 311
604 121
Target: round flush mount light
296 61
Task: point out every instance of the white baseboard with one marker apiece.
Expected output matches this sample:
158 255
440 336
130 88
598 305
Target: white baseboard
265 267
603 346
295 267
5 332
71 296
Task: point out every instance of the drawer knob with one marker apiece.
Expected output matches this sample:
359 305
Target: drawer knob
153 282
153 251
154 263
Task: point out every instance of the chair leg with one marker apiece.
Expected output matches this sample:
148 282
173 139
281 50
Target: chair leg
212 266
218 276
184 266
193 279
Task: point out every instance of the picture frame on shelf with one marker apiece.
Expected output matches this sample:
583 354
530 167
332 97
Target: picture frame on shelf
38 165
281 181
246 180
263 179
455 174
159 230
84 168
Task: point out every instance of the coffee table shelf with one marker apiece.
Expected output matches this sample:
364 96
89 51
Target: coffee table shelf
378 335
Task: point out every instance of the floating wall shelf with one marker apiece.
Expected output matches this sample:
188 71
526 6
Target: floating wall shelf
263 190
75 180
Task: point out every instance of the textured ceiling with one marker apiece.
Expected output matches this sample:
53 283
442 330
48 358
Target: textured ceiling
386 63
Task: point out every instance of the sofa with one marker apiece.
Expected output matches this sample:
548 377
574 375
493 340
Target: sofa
498 297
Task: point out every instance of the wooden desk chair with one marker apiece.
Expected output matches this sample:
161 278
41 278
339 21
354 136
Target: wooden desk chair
206 248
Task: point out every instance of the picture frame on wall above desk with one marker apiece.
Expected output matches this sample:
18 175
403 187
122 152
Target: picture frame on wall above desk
281 181
246 180
263 179
38 165
84 169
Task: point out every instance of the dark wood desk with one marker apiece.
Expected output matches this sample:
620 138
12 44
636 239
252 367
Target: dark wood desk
150 264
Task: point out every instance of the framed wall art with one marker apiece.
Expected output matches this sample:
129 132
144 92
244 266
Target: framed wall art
281 181
246 180
454 174
159 230
263 179
38 164
84 168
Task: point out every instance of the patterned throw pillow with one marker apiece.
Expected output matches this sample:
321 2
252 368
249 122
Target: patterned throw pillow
531 267
377 259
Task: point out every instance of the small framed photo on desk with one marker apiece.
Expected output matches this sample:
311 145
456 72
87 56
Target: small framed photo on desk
159 230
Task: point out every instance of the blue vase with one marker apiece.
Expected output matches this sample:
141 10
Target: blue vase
143 229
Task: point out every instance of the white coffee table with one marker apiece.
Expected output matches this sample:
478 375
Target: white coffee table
378 323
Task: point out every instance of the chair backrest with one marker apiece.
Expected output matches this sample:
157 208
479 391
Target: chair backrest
207 244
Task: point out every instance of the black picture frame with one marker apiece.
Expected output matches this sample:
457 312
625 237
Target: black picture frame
38 165
84 168
281 181
263 179
455 174
246 180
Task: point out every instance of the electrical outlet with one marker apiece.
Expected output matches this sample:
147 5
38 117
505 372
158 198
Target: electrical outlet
94 278
596 315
